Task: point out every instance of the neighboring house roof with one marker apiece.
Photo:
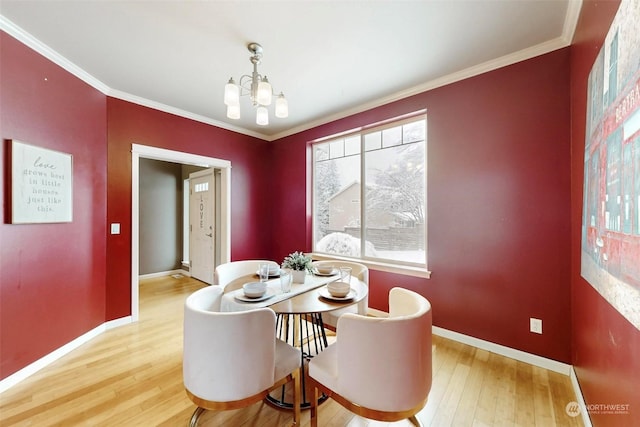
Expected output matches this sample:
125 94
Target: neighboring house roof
348 186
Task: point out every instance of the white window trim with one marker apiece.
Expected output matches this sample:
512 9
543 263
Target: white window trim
378 265
388 267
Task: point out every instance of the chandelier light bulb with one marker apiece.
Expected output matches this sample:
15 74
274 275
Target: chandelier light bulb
282 107
233 111
264 92
231 93
262 116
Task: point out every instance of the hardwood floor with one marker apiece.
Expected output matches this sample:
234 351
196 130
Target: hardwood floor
132 376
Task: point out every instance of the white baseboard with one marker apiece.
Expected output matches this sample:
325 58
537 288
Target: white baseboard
583 406
532 359
502 350
34 367
165 273
118 322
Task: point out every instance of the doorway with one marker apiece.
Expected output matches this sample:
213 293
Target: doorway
224 186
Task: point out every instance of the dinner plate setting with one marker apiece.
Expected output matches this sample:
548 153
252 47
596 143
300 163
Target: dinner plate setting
271 274
242 297
324 293
332 273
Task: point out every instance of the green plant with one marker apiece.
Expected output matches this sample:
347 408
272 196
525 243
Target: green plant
297 261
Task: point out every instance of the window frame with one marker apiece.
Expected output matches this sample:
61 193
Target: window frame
373 263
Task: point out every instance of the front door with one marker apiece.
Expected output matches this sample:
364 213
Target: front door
201 225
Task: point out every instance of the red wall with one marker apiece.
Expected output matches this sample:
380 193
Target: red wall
504 206
606 347
52 276
250 210
498 203
59 281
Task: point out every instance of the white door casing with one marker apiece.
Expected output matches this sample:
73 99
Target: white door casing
143 151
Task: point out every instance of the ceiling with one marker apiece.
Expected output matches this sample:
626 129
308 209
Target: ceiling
330 58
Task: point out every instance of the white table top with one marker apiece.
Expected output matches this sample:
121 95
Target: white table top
303 298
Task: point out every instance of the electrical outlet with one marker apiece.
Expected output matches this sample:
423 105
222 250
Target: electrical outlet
535 325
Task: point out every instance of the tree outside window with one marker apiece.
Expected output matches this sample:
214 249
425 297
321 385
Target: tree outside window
369 191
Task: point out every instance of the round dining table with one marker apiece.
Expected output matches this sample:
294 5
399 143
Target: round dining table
299 322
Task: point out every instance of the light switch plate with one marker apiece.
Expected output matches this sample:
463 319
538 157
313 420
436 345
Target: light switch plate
535 325
115 228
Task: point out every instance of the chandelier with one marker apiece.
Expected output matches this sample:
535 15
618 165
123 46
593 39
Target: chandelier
259 89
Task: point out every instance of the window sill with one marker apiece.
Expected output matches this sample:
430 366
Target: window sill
379 266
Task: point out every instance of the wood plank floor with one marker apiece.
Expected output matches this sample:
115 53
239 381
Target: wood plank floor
132 376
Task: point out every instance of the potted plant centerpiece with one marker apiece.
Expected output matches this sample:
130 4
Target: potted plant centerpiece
299 264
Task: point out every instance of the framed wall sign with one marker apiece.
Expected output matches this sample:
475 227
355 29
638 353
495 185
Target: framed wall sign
41 184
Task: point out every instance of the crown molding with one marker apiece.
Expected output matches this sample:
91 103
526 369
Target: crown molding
30 41
27 39
569 27
571 20
476 70
570 23
182 113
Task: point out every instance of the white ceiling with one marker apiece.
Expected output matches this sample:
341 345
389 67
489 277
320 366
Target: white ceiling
330 58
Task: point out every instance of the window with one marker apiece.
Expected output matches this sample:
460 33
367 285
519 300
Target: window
369 194
203 186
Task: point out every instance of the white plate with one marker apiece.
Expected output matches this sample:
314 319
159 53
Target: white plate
242 297
276 274
324 293
333 272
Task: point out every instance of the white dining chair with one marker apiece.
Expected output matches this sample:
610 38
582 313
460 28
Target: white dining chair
378 368
233 360
330 318
230 271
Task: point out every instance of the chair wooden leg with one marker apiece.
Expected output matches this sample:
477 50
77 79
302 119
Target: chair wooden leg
194 418
314 405
297 393
415 421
